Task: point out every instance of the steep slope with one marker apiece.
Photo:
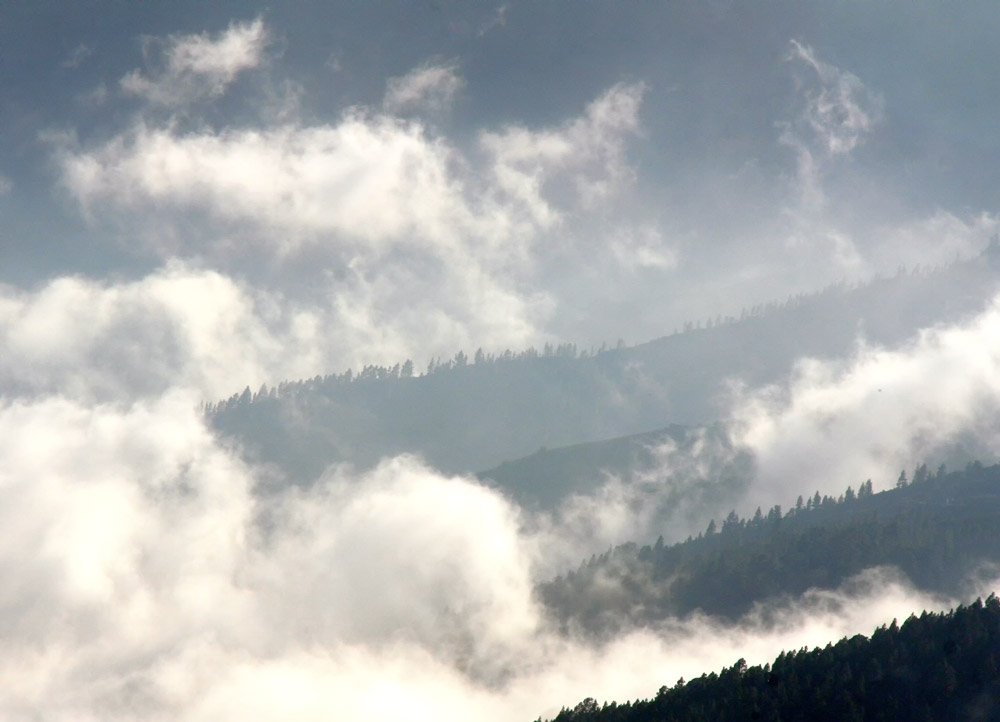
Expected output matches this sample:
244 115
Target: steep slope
468 415
933 667
940 531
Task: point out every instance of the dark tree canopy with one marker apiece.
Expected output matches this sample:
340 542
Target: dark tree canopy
932 667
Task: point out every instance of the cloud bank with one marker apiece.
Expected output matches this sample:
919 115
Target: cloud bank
151 579
152 575
840 422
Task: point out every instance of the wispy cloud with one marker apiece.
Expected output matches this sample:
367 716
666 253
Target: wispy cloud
642 248
589 152
77 56
430 87
189 67
839 109
836 114
497 20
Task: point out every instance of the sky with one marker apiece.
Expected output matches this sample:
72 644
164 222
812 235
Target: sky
416 178
196 197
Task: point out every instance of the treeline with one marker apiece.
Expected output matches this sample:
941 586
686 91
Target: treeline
799 300
932 667
396 372
406 369
938 530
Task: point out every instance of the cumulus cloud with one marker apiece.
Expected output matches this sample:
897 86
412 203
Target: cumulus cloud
178 327
430 87
841 422
423 244
369 179
415 257
191 67
199 329
364 180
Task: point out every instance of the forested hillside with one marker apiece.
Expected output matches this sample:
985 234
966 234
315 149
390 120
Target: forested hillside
474 411
543 479
932 667
939 529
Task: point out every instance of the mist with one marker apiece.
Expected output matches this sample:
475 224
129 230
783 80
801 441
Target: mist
707 201
931 399
151 579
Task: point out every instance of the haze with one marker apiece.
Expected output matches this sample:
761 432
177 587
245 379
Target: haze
761 231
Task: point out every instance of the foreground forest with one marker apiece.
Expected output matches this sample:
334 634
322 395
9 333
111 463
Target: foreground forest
937 529
932 667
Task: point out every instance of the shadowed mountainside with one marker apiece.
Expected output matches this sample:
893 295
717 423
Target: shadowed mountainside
470 414
940 531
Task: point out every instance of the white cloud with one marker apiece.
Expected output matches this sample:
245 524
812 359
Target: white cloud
148 579
424 245
370 180
6 185
373 181
429 87
176 327
839 423
587 157
689 482
199 329
197 66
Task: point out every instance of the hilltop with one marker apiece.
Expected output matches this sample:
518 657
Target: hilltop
472 413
